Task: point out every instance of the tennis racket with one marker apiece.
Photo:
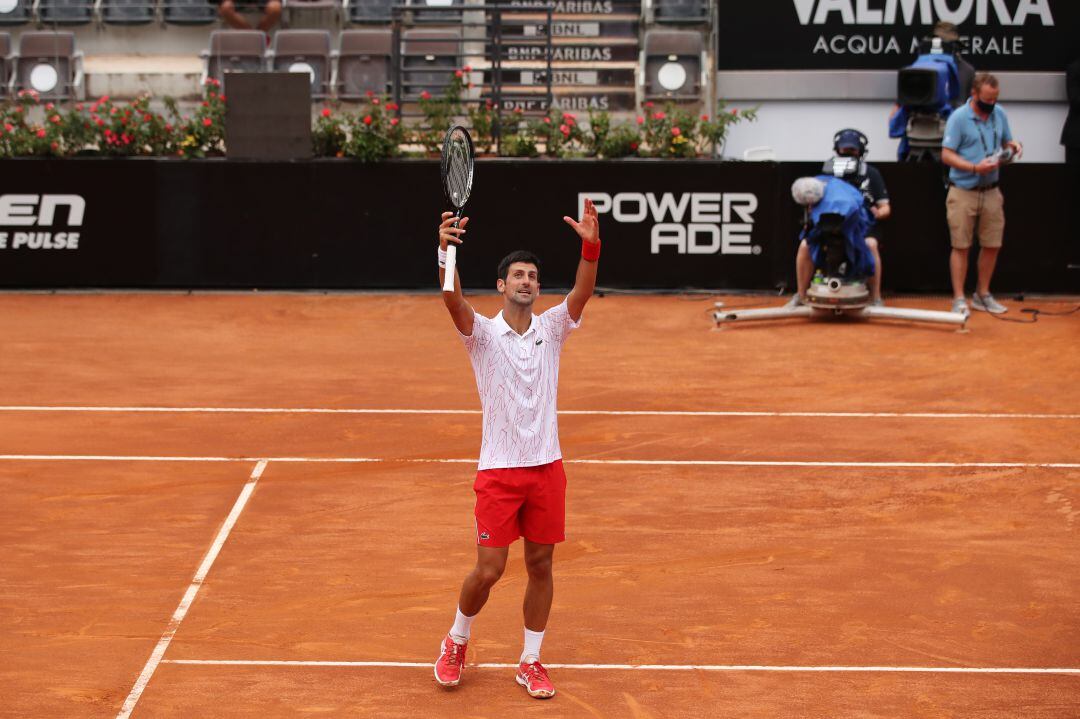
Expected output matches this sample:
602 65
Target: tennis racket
457 178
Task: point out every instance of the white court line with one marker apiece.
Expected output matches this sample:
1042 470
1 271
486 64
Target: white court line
571 412
642 667
189 595
642 462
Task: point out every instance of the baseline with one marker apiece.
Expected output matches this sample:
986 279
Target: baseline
640 667
570 412
467 460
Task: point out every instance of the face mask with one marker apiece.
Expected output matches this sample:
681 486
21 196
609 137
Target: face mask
985 107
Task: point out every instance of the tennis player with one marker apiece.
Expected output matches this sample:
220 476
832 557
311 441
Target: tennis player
520 484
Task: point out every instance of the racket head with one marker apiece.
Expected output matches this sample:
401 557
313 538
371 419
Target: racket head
457 166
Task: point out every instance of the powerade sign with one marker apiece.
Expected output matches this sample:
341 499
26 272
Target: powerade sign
1006 35
684 223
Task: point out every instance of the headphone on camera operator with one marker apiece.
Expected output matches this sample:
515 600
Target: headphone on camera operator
849 162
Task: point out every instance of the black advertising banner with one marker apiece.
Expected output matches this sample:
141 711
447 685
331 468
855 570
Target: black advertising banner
77 223
339 224
998 35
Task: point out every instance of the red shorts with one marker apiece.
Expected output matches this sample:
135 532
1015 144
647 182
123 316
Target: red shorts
520 501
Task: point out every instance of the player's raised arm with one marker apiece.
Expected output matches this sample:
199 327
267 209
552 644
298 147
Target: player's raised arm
460 310
588 229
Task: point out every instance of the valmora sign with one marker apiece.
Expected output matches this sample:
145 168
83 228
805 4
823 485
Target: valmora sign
1029 35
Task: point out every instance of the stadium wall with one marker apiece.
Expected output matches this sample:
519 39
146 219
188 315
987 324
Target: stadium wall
338 224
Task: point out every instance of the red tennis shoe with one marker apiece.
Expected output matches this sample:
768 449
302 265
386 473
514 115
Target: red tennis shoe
535 679
450 662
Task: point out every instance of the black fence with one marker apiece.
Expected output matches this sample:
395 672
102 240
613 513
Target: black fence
338 224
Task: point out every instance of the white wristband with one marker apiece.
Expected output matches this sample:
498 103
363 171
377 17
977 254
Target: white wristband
442 257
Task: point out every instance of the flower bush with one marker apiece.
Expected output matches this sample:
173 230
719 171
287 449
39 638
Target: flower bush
105 128
376 131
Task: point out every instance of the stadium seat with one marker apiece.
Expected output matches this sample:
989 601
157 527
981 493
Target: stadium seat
47 63
15 12
306 51
127 12
429 57
759 153
436 17
673 64
685 11
364 63
66 12
311 13
235 51
368 11
188 12
5 63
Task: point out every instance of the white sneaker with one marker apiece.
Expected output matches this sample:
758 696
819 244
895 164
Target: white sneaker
960 306
987 303
795 301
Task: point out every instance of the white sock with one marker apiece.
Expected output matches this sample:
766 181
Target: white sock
462 626
532 645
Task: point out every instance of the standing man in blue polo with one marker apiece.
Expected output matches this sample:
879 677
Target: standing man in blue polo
975 136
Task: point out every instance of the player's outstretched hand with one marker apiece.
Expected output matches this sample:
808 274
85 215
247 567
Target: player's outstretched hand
589 227
448 233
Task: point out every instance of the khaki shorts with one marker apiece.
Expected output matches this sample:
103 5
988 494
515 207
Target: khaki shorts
965 208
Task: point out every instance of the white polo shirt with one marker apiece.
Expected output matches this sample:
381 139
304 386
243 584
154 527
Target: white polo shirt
518 379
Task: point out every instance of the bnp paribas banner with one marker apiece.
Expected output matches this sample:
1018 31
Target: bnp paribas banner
999 35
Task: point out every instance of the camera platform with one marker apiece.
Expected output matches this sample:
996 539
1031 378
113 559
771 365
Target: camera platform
834 297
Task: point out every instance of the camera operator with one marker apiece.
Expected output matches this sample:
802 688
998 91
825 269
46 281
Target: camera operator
850 165
977 141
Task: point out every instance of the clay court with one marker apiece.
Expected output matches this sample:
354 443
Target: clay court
260 505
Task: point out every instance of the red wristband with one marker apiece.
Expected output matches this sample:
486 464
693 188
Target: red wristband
590 251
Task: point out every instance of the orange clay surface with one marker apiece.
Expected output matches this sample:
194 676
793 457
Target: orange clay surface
666 563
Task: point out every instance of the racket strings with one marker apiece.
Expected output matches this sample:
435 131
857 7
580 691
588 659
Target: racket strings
459 172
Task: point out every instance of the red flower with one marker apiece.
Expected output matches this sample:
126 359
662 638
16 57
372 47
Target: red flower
547 120
633 146
148 117
126 138
55 119
704 118
517 110
392 106
425 95
640 120
180 153
86 125
205 103
734 111
648 104
49 106
79 107
564 130
458 73
18 109
367 119
54 146
221 97
207 122
103 99
41 132
374 101
168 127
394 121
99 122
659 116
467 68
676 131
9 127
370 93
326 112
94 107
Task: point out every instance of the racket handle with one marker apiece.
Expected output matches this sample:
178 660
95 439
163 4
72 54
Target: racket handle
451 266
